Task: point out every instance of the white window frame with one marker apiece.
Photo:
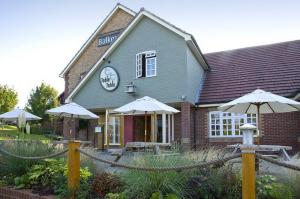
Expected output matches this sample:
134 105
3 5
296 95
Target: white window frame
233 117
108 119
139 68
112 121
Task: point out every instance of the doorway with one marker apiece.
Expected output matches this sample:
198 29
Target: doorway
139 128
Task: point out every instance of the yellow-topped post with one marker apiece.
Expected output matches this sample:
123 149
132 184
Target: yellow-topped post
73 166
248 162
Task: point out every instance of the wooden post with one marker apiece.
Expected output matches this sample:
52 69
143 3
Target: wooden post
248 173
248 162
73 166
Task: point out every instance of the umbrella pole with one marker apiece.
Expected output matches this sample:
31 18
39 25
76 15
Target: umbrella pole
71 126
258 124
145 126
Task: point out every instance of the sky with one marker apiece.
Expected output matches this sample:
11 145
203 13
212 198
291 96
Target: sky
39 37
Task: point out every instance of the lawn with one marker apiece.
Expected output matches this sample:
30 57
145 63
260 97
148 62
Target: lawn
8 132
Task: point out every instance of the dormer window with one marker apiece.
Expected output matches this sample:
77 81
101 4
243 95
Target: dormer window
146 64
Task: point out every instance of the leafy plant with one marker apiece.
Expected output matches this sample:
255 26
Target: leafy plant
61 188
115 196
11 167
269 188
22 182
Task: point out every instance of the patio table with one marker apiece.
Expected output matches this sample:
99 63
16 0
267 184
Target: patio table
155 146
273 149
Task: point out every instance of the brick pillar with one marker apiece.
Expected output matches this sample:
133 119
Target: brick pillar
187 126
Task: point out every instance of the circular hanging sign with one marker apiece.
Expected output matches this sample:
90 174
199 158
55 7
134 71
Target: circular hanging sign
109 78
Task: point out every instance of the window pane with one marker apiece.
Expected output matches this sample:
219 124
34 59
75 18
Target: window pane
114 130
151 66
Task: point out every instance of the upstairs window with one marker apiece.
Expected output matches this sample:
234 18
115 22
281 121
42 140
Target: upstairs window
146 64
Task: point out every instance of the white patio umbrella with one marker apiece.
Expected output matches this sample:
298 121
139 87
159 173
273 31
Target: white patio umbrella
146 105
72 110
260 101
15 114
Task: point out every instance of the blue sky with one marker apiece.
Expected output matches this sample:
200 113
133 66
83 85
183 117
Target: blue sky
39 37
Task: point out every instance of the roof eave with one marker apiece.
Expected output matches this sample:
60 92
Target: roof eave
198 54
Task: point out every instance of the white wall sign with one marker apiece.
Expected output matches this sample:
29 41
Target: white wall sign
109 78
98 129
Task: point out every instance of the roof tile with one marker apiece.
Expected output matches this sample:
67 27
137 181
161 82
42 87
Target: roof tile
274 68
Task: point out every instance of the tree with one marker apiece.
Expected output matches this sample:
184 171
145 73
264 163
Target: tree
42 98
8 98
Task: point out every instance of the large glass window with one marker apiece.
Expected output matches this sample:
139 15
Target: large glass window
114 130
165 128
223 124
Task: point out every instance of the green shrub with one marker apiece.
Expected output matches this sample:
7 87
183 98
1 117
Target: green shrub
142 184
84 190
267 187
43 174
215 183
11 167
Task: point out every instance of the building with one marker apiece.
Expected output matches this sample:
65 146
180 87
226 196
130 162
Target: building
131 55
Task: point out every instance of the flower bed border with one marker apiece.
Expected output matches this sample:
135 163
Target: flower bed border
11 193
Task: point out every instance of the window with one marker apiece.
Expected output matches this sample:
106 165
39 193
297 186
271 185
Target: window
114 130
165 128
146 64
223 124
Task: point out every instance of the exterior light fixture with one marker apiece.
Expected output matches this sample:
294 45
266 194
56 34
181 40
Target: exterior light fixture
248 130
130 88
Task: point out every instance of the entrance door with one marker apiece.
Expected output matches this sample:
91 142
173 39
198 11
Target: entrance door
139 128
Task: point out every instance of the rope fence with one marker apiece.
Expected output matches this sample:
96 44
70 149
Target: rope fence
3 151
278 163
171 168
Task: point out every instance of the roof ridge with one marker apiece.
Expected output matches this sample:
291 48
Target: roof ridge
252 47
143 9
87 42
120 4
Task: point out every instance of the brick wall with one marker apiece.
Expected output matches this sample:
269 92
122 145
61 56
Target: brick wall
9 193
281 129
93 53
201 127
177 127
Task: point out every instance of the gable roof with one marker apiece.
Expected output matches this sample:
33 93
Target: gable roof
143 13
274 68
95 33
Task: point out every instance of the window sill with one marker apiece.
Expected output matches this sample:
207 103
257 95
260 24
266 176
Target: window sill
137 78
228 139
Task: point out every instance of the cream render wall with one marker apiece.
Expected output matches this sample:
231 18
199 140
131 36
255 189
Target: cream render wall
93 53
